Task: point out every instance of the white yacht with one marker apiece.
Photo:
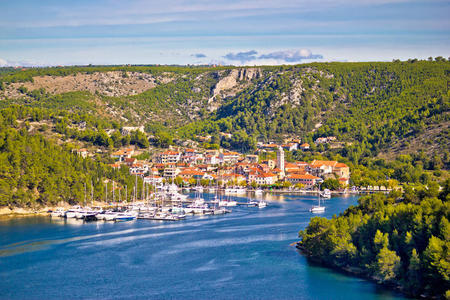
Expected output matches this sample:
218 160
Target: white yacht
235 190
227 203
71 213
125 216
59 212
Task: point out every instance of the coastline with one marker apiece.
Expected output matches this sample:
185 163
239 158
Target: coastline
352 271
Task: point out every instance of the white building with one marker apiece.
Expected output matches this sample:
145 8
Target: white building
169 157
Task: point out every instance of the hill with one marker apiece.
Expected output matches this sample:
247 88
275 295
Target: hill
376 109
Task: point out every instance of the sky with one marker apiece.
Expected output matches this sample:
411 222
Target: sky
237 32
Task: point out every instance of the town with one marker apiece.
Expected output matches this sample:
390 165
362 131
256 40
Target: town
191 167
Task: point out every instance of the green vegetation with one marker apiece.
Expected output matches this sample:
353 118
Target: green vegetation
396 239
35 171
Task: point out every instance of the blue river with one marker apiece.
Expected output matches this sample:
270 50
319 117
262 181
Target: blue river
242 255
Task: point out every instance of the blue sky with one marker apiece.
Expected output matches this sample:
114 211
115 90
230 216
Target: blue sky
244 32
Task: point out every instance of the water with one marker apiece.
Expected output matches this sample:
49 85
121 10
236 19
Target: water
242 255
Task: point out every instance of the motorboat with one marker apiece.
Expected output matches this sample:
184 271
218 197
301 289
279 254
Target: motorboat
125 216
262 204
252 203
235 190
59 212
326 194
258 192
72 213
226 203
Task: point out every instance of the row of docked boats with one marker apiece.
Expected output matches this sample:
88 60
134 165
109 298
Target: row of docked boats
88 214
166 203
227 190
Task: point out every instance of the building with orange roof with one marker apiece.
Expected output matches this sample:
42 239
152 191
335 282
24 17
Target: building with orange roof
265 178
342 170
321 167
231 177
305 146
191 173
307 180
229 157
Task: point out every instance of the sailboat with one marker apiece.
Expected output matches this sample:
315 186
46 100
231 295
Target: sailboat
317 208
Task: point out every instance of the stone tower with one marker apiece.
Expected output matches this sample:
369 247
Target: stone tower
280 159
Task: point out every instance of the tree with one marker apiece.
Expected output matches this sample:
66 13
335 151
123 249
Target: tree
163 139
387 264
414 278
435 257
331 183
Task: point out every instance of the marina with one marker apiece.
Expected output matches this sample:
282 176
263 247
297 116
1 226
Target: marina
168 203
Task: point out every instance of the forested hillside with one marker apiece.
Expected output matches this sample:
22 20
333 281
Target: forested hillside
399 240
381 106
35 171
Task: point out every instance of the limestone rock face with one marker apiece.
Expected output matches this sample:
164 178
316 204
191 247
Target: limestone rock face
230 84
113 83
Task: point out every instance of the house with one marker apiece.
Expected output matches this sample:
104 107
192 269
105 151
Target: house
270 162
291 168
290 146
138 168
231 178
252 158
270 147
130 161
115 165
122 154
341 170
190 152
265 178
211 159
191 173
304 146
307 180
321 140
153 180
171 172
229 157
321 167
168 157
344 181
83 152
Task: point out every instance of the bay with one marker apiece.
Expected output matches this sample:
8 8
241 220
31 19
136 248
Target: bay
242 255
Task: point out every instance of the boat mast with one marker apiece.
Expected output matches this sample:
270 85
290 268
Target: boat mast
85 194
92 193
113 190
135 189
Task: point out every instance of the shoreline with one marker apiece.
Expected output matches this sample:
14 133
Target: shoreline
351 271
